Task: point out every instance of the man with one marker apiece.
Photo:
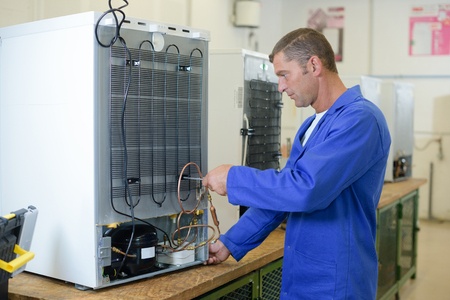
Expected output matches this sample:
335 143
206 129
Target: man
329 189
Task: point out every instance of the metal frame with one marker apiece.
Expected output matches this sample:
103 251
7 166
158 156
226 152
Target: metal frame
260 288
402 275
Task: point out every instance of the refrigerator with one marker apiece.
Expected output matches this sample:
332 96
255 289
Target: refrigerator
244 111
396 101
101 125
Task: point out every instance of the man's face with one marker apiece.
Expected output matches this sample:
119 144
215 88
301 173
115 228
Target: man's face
296 81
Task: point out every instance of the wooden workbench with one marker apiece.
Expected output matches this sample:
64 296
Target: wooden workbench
393 191
185 284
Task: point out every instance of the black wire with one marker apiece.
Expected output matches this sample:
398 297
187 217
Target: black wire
118 23
116 37
125 152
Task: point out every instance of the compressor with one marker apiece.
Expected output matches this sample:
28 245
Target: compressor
141 256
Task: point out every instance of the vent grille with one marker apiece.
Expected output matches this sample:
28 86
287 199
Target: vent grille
263 111
157 129
241 293
271 284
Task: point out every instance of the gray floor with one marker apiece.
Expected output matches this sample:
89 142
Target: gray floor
433 263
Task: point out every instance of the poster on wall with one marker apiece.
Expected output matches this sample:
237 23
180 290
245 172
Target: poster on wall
429 30
331 23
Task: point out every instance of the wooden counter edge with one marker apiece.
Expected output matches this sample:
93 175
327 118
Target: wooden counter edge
392 191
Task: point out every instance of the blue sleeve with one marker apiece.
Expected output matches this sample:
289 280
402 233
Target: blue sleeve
251 230
347 144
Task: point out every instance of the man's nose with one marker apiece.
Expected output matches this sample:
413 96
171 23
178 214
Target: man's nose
281 86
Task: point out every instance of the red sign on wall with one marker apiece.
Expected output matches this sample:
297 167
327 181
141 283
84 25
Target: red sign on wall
429 30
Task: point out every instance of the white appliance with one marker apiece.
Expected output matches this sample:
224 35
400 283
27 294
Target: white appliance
244 117
396 101
99 136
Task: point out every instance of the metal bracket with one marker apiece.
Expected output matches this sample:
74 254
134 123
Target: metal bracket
104 251
247 131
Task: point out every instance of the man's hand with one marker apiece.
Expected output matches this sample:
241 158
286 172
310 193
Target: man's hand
216 179
217 253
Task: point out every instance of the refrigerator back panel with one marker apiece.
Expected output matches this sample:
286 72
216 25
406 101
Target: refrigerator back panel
102 138
158 128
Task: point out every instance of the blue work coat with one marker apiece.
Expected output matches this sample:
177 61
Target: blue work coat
328 191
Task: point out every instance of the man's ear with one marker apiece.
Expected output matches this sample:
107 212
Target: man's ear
316 64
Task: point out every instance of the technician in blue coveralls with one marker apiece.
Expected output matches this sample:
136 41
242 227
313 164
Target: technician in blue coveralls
329 189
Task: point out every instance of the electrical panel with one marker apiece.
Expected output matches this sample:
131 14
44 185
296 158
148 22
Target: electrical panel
104 128
245 117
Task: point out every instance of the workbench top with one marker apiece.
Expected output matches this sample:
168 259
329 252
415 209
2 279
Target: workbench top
392 191
185 284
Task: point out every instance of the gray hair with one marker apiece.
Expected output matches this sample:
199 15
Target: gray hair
301 44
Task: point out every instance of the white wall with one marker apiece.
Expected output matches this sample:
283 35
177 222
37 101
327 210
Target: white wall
16 12
356 32
391 42
212 15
